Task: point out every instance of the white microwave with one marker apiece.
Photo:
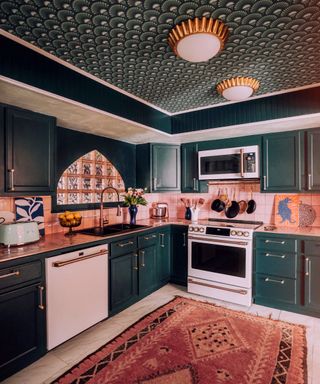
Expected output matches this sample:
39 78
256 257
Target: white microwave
229 163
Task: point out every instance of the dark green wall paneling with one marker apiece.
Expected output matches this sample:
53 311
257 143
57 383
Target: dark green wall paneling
27 66
267 108
72 144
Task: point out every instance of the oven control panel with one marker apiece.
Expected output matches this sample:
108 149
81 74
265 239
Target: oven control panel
219 231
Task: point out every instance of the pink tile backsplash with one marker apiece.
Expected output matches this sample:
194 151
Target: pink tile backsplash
265 207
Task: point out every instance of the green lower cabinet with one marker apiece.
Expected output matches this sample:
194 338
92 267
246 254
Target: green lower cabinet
276 291
148 271
22 329
312 284
179 252
164 256
287 276
123 277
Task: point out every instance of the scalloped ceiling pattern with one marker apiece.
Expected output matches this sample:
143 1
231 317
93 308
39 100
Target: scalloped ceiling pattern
124 42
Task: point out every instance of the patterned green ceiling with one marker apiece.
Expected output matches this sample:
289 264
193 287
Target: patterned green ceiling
124 42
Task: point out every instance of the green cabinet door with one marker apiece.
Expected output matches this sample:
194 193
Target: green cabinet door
282 160
148 273
22 329
165 167
123 278
158 167
189 170
164 256
312 283
30 152
313 160
179 254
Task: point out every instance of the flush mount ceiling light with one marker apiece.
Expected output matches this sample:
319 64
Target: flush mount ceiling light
238 88
198 40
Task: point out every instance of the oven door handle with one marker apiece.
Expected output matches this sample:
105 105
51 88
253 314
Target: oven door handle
215 241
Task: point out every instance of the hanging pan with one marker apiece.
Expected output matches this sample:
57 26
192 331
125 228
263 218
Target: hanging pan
218 205
234 208
251 205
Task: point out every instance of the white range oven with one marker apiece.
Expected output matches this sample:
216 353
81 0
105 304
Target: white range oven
220 260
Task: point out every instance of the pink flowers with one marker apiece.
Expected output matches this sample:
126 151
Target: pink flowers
134 196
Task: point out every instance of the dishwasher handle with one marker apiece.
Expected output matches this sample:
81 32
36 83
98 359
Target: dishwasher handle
59 264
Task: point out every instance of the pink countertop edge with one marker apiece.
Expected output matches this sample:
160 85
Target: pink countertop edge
58 241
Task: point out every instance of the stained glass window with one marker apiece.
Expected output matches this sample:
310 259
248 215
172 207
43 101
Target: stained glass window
83 181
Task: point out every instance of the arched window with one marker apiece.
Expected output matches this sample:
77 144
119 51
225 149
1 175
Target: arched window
83 181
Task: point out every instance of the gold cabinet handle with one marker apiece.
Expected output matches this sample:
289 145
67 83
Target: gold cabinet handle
162 240
184 239
267 279
135 267
14 273
41 289
307 266
195 184
59 264
121 245
11 187
150 237
274 242
309 181
273 255
142 259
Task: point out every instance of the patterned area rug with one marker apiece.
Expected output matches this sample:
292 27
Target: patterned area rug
188 342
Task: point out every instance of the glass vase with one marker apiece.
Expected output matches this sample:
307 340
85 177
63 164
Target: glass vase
133 210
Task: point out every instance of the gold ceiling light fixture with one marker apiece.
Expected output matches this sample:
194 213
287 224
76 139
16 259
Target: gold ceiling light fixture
198 40
238 88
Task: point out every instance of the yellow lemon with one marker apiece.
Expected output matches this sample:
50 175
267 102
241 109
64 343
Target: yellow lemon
70 216
77 215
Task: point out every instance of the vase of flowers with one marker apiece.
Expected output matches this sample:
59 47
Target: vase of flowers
132 199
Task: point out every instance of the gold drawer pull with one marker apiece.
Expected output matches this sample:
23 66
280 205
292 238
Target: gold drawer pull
121 245
267 279
41 289
275 242
273 255
150 237
59 264
14 273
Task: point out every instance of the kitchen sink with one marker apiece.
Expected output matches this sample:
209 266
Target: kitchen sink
111 229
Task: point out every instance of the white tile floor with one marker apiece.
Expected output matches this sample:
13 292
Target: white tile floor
65 356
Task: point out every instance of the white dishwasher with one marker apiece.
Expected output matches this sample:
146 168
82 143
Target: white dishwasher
77 292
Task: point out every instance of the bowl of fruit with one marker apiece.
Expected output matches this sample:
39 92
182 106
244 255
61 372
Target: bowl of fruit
70 220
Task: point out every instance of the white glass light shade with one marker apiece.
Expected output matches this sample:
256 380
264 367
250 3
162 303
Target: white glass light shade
237 93
198 47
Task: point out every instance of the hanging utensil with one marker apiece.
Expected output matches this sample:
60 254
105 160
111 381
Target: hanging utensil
251 204
218 205
233 210
243 204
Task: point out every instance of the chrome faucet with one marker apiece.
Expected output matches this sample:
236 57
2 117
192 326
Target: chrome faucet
102 220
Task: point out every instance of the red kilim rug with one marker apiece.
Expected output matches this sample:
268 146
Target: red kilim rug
188 342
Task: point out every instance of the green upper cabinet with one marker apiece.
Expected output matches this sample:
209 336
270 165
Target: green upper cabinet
158 167
189 170
29 152
313 160
282 162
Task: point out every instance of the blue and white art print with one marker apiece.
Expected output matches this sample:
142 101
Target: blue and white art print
30 209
